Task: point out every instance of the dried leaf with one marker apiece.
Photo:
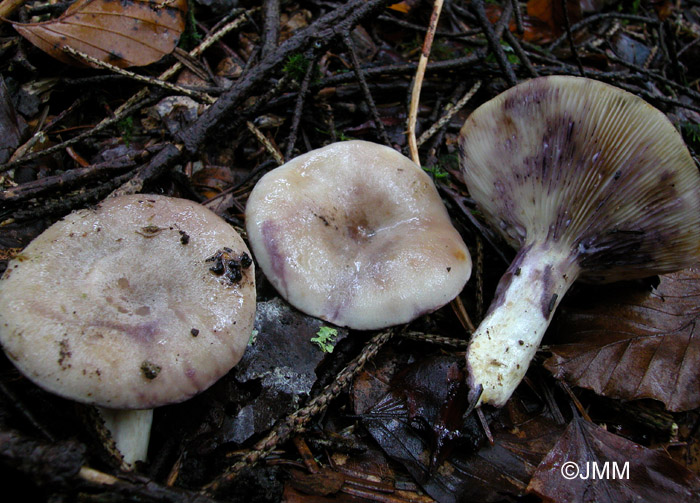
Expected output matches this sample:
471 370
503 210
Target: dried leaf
123 33
575 470
322 483
629 49
631 343
551 12
410 408
535 31
404 6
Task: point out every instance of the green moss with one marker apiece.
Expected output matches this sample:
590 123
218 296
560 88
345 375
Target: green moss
126 129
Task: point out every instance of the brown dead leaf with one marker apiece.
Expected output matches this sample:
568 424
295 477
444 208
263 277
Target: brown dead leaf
408 408
575 470
323 483
551 12
405 6
632 343
535 31
123 33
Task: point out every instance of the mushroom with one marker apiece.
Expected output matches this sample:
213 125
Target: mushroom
589 182
144 301
356 234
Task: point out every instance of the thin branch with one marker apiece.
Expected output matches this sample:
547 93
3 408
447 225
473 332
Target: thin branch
195 53
139 78
599 17
298 109
104 124
271 26
520 53
450 111
570 38
271 149
520 29
347 40
418 81
494 45
321 31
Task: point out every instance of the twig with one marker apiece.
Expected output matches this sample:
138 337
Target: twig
462 315
104 124
60 207
490 237
154 168
672 45
64 180
479 277
520 53
139 78
598 17
485 425
271 149
321 32
575 400
132 104
347 40
503 21
438 139
297 421
299 108
27 415
435 339
418 81
423 29
450 111
196 52
137 488
399 69
271 26
570 38
651 75
496 49
518 18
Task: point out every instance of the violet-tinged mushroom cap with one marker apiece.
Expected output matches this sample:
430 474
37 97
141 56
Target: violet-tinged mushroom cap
587 181
356 234
144 301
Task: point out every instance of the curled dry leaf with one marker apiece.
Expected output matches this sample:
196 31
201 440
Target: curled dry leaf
631 343
122 33
589 463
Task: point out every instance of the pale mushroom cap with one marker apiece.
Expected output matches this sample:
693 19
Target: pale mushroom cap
586 166
356 234
118 307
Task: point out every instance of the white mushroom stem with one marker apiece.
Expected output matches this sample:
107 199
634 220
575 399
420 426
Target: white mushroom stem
505 342
130 430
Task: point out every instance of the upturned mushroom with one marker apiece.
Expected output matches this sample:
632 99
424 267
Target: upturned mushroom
588 182
356 234
144 301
